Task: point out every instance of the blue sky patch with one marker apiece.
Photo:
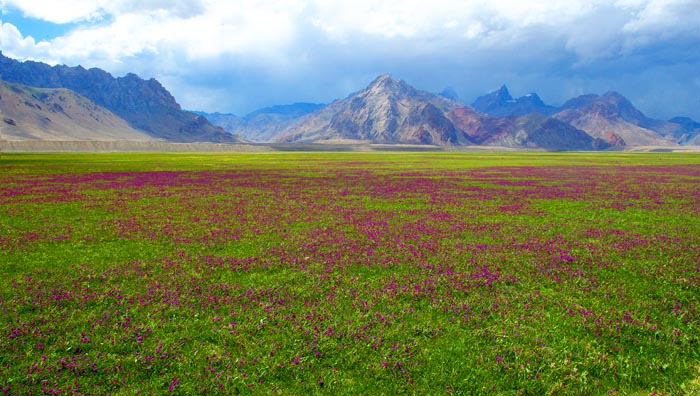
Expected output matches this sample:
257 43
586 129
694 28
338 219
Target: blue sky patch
38 29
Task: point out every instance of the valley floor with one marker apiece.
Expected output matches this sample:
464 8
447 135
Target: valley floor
126 146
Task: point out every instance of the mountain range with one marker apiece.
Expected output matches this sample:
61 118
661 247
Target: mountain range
144 105
43 102
391 111
264 124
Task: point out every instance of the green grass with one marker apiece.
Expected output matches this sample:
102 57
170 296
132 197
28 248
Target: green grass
350 273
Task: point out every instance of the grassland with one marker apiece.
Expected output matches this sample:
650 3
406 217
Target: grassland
350 273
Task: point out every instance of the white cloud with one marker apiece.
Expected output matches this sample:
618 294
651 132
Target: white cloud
132 28
271 29
326 46
14 44
662 20
65 11
68 11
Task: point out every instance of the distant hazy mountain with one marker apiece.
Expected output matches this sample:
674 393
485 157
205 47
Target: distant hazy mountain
499 103
227 121
294 110
685 130
28 113
613 118
264 124
449 93
387 111
145 105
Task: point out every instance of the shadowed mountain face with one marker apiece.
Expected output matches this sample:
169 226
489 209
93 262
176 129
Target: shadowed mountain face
499 103
29 113
387 111
144 104
493 101
686 130
526 131
552 134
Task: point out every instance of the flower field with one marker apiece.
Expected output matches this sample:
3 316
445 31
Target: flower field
350 273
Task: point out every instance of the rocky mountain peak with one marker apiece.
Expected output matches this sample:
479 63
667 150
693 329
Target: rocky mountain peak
502 94
493 101
616 99
500 103
387 111
381 80
611 105
685 121
385 85
613 118
532 98
579 101
685 129
614 96
449 93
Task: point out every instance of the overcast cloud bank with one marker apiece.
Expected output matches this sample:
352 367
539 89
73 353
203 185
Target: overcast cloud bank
218 55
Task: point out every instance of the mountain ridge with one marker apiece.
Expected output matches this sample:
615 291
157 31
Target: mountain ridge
610 117
380 114
61 102
145 104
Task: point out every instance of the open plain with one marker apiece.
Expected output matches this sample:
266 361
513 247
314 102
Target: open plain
350 273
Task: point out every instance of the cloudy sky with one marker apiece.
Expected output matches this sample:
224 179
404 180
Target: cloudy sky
240 55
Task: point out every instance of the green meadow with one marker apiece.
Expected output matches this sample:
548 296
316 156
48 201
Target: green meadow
350 273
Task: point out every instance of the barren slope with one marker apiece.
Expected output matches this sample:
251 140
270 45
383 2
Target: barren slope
29 113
